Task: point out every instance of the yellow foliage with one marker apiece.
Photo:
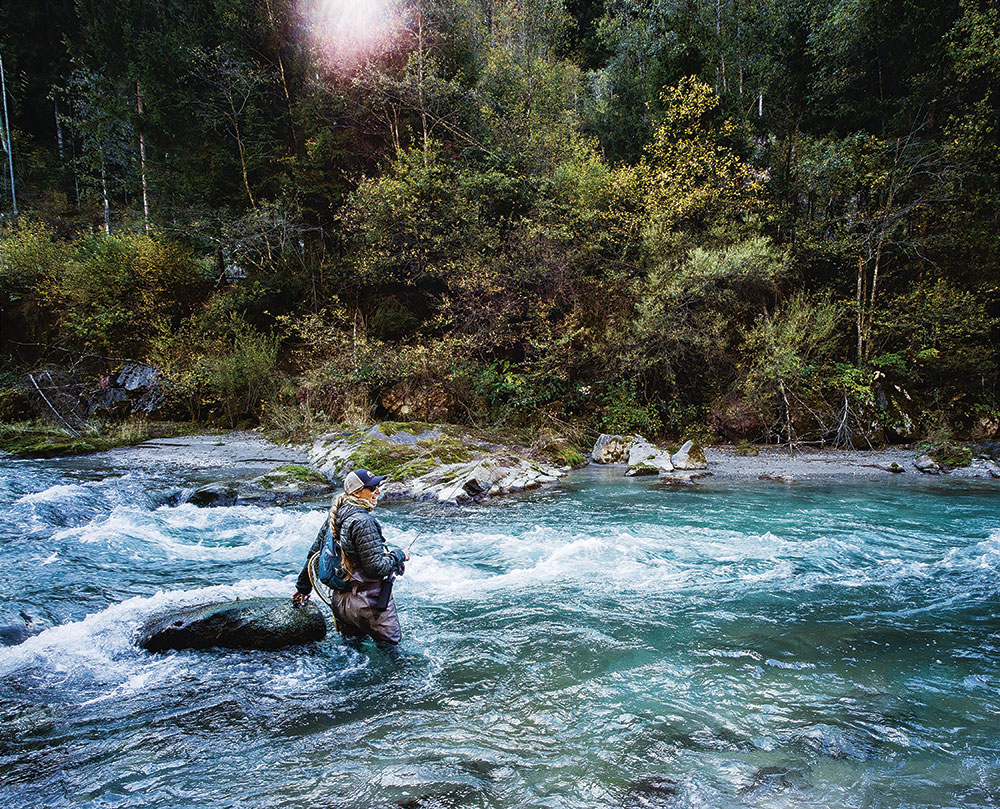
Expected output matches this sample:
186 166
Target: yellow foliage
691 174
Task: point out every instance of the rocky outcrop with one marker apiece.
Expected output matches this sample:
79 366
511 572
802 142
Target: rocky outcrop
134 391
898 413
645 459
435 463
284 484
257 623
690 457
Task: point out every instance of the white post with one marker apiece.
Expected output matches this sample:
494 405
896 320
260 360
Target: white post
10 146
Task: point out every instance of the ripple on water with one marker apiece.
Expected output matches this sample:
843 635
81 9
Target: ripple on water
609 646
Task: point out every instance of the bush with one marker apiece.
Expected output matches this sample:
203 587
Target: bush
225 377
115 288
624 414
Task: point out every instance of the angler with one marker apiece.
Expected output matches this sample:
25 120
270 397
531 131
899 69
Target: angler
351 558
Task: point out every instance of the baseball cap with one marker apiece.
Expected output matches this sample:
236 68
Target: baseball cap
362 479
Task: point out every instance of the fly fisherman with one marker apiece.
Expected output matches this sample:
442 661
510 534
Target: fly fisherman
359 566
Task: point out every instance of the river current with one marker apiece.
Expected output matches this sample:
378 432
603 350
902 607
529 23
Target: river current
606 643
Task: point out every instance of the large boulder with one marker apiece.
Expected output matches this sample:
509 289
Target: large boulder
257 623
645 459
615 448
134 391
284 484
690 457
927 465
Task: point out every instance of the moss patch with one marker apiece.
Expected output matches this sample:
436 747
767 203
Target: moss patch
403 461
746 449
303 474
391 428
36 439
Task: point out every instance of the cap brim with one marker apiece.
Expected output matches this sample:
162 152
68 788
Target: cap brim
378 480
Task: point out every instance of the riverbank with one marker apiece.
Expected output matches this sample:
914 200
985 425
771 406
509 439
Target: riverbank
250 450
245 449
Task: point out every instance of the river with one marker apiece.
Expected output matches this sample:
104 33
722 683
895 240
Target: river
606 643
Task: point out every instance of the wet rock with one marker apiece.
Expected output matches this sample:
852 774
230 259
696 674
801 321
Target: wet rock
615 448
683 478
221 493
15 632
284 484
257 623
927 465
645 459
690 457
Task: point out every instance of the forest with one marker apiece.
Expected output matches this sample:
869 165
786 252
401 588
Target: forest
737 220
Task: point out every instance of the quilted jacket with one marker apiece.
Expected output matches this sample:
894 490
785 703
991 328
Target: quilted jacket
363 544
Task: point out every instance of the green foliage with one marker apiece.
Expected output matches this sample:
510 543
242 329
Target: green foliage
113 289
29 254
745 449
624 413
784 371
758 215
950 455
224 377
693 173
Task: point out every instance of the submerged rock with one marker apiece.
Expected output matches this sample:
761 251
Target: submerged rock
19 631
257 623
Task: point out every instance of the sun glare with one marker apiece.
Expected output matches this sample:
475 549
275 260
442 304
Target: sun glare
348 31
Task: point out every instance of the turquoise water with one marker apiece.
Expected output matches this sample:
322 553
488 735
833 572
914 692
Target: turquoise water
609 643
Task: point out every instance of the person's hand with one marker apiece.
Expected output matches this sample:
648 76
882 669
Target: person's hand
406 556
300 599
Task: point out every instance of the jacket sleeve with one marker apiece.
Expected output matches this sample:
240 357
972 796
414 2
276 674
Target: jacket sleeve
376 561
302 583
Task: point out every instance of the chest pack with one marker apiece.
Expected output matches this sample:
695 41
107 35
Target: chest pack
330 566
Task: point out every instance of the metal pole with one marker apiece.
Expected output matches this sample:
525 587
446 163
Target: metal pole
10 146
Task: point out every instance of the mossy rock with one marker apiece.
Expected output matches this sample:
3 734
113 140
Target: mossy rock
404 461
747 450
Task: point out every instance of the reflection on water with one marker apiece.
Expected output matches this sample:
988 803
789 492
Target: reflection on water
607 644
